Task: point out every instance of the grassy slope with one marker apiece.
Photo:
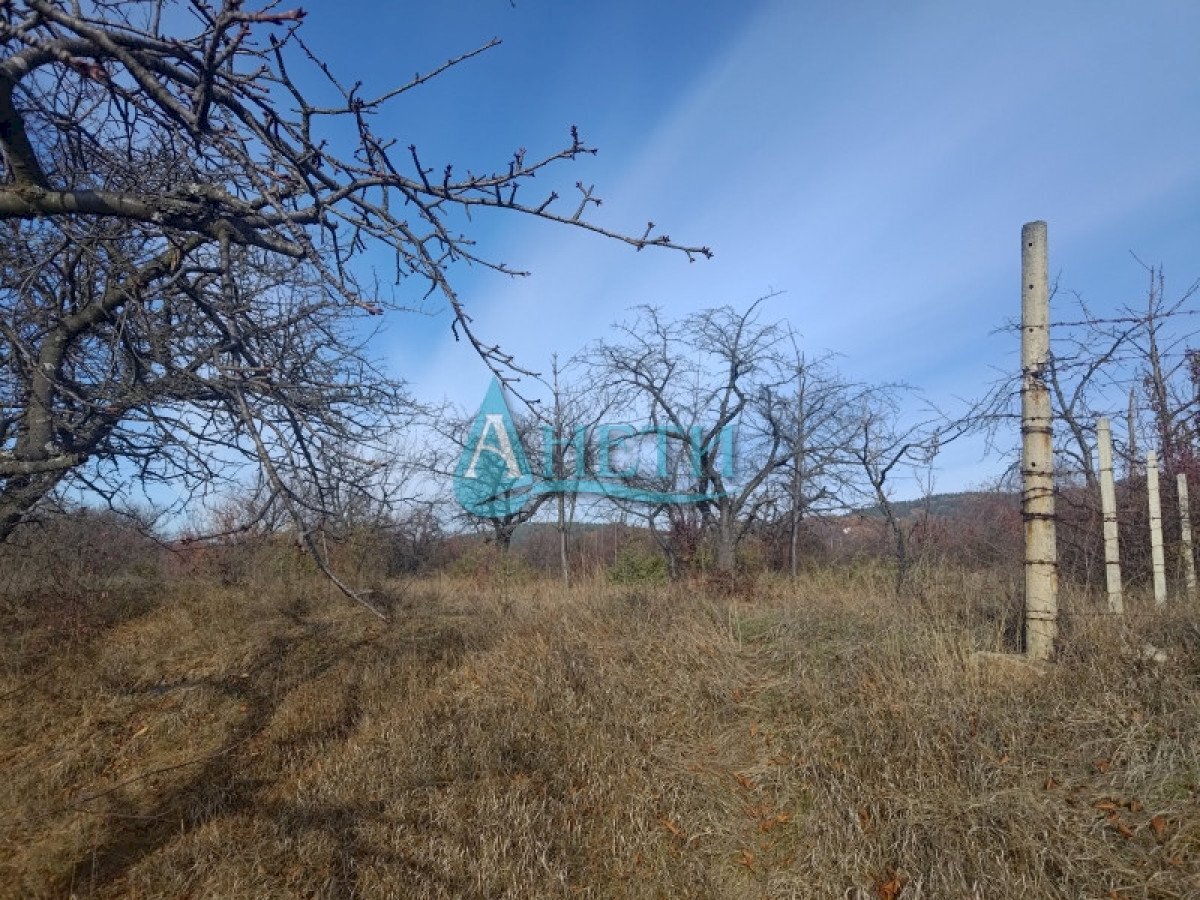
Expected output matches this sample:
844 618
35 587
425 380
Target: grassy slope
816 739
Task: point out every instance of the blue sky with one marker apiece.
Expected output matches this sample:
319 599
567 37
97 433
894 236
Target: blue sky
873 161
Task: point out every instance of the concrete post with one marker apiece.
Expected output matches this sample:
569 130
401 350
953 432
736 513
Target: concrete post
1185 537
1156 541
1108 504
1037 459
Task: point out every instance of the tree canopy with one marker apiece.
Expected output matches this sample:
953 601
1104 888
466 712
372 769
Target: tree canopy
184 237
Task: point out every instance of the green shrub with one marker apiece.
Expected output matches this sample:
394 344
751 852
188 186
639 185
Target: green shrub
638 565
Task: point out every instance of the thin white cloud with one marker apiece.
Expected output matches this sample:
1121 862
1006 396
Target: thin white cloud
878 167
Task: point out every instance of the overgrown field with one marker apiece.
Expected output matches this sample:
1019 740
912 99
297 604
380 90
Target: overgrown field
509 738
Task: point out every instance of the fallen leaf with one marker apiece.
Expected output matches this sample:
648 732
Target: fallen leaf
1105 806
771 821
889 889
1123 829
753 729
747 859
671 827
744 781
1159 824
1050 784
1101 765
1136 806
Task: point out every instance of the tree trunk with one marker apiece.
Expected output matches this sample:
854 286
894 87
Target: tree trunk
562 539
726 541
899 540
796 510
794 544
21 494
1131 448
504 534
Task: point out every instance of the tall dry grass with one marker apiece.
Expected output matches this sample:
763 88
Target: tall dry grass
508 738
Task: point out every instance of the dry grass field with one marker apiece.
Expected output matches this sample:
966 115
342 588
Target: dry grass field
507 738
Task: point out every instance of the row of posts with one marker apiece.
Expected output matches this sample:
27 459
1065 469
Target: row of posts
1037 472
1112 551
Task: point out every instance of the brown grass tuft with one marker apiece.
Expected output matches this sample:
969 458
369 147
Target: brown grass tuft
807 739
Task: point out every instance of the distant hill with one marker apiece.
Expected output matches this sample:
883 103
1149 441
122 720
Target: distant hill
945 506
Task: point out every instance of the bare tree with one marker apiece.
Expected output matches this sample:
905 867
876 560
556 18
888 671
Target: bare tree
1137 363
1168 368
182 225
568 442
1140 357
889 442
1083 356
815 416
699 381
449 433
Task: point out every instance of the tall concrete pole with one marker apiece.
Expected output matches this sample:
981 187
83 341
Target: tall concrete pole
1108 504
1185 537
1037 457
1156 540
